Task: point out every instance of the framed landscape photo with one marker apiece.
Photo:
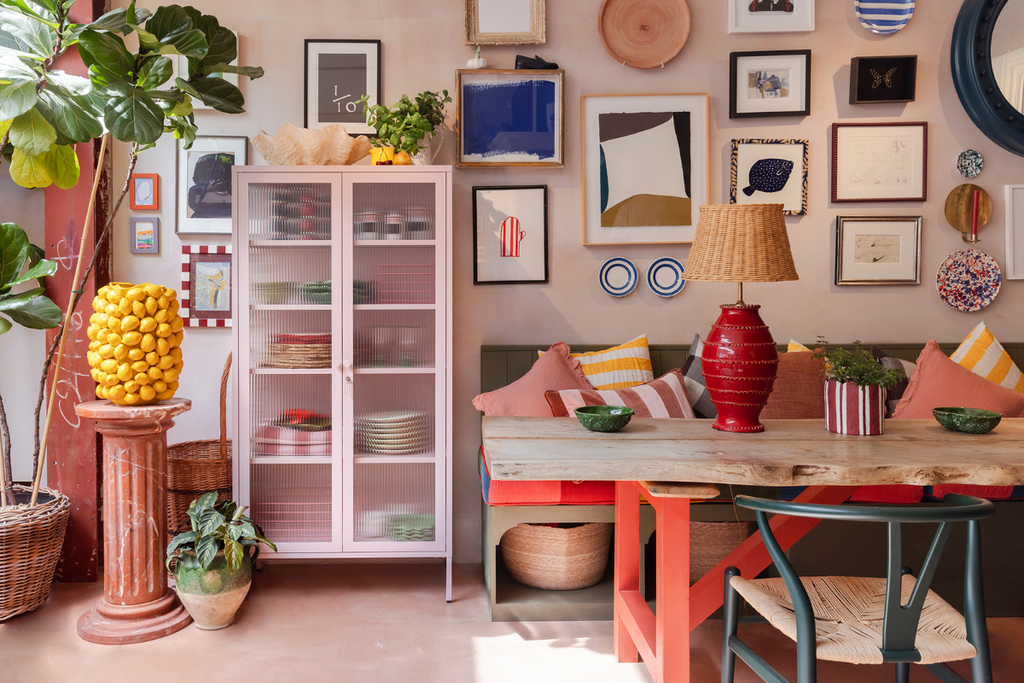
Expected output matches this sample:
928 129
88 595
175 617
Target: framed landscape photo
878 250
505 22
509 117
510 235
770 171
880 162
769 83
338 73
770 16
145 235
645 167
876 80
206 286
204 183
144 192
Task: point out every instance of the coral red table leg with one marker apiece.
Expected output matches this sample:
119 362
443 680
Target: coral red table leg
672 647
627 565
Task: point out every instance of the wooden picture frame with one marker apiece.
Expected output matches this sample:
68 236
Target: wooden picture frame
759 16
144 235
878 80
144 192
204 183
645 167
506 22
510 234
496 122
1014 195
878 250
769 83
337 73
769 170
206 297
880 162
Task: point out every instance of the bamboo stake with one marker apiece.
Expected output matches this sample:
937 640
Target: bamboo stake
67 324
5 444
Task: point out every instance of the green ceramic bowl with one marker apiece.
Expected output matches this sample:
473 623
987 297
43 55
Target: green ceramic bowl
604 418
969 420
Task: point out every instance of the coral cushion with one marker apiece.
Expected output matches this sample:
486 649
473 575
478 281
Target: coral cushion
543 492
664 397
989 492
556 370
799 389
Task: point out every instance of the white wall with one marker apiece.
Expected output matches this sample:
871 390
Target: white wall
423 45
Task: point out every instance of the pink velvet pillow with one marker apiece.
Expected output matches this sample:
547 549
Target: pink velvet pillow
555 370
938 382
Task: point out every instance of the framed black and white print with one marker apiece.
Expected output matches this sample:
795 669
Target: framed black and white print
338 73
874 80
770 16
880 162
769 83
878 250
510 236
770 171
204 183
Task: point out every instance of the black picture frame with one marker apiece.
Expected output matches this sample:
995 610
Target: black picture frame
741 107
877 80
489 268
347 53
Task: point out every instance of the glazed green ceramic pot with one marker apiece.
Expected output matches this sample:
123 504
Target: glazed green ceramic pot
970 420
604 418
211 596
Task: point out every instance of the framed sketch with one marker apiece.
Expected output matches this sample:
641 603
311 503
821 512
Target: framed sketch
206 286
878 250
510 236
145 235
509 117
770 16
1014 232
769 83
645 167
338 73
874 80
505 22
144 192
181 71
880 162
770 171
204 183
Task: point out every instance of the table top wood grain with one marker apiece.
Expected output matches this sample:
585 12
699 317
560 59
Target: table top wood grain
787 453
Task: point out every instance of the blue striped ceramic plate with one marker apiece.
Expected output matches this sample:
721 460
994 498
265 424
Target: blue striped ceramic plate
618 276
665 277
883 16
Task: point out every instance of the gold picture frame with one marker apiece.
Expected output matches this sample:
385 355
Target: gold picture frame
504 22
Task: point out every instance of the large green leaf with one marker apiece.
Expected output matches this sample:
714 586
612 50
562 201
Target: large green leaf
184 129
223 49
26 34
61 164
14 252
105 54
17 88
170 31
219 94
32 134
5 324
206 550
180 540
73 116
132 115
29 171
32 310
155 71
39 270
43 9
234 553
253 72
76 85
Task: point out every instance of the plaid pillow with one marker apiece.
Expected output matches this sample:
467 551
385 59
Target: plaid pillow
693 379
893 363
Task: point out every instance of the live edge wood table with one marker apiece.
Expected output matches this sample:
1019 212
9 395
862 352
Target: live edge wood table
787 453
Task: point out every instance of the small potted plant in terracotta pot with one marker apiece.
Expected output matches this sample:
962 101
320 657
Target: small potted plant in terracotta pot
212 564
855 387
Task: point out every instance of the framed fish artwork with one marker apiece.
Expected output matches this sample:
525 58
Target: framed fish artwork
769 83
878 250
770 16
510 236
770 171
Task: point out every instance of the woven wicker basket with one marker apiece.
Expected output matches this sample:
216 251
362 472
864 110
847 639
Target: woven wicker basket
30 544
555 558
195 467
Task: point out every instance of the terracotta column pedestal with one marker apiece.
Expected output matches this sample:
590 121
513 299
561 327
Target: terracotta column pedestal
137 604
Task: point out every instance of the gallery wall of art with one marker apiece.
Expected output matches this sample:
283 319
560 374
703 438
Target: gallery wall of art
423 44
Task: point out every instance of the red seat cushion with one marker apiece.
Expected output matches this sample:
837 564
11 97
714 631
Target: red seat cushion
543 492
988 492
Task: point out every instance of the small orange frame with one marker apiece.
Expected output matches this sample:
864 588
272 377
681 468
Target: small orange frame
134 199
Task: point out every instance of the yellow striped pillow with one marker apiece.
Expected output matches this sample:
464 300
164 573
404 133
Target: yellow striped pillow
620 367
983 355
796 347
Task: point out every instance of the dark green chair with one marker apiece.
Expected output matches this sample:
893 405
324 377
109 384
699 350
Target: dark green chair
866 620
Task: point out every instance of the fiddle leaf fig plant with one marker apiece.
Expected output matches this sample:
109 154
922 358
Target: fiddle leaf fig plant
405 124
215 528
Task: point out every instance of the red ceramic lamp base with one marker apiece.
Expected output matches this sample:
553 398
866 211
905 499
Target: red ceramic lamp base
740 362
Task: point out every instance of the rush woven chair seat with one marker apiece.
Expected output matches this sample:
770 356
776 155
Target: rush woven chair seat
855 620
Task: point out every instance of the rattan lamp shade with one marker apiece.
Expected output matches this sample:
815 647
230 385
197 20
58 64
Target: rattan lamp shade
741 243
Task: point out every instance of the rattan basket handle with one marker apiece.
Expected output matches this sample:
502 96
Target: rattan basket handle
224 408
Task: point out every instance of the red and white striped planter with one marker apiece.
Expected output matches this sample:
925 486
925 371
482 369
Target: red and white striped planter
852 409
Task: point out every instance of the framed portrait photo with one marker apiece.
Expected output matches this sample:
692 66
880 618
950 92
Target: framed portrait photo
769 83
144 192
770 16
204 183
505 22
770 171
206 286
508 117
510 236
338 73
645 167
880 162
878 250
145 235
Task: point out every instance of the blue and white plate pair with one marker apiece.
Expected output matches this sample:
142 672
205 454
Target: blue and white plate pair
883 17
619 277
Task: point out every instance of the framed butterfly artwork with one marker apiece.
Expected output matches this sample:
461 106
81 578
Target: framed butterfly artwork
874 80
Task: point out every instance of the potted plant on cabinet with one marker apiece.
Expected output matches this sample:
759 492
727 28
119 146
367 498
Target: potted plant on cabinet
407 127
855 386
211 564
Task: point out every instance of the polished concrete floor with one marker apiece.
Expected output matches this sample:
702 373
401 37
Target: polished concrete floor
382 624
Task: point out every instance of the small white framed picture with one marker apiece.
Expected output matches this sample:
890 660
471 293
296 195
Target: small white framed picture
510 236
770 171
878 250
204 183
770 16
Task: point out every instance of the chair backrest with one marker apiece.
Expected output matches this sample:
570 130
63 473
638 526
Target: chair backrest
900 624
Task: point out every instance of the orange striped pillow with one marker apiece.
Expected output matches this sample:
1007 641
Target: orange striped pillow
663 397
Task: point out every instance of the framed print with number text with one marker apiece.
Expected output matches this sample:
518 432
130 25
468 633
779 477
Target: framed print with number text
880 162
770 16
878 250
510 236
338 73
204 183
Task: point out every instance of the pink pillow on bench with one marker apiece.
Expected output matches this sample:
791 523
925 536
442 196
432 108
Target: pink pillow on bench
556 370
663 397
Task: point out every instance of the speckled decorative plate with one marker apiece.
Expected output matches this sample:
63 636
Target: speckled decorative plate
969 163
968 280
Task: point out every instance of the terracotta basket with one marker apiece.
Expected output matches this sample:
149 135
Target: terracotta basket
557 559
30 542
852 409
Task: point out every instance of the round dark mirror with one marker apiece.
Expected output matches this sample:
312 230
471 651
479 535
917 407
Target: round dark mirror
987 58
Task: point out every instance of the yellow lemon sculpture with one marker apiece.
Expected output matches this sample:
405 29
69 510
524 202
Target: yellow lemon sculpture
135 336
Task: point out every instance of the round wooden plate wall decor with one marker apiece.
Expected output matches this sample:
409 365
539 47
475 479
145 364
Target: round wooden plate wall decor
644 34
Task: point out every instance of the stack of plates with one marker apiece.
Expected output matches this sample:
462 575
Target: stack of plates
300 350
393 432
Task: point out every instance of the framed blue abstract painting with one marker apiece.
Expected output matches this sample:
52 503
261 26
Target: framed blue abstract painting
509 117
645 167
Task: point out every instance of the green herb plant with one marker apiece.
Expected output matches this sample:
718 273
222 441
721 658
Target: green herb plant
405 124
856 365
215 528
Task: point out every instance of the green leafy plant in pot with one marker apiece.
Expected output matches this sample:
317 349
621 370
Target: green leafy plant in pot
212 563
855 387
409 125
